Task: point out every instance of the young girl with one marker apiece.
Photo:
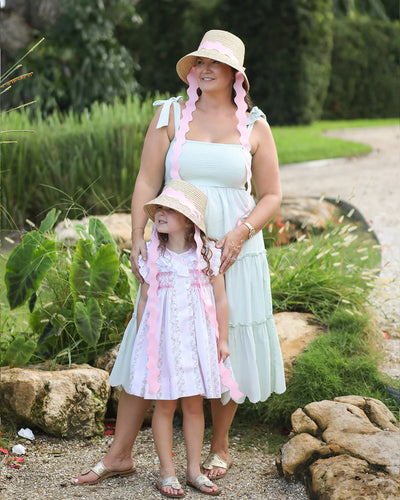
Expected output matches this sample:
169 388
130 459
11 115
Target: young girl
182 336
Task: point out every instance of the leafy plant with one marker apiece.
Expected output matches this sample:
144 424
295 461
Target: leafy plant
83 60
78 298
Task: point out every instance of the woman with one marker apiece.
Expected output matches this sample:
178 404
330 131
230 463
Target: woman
221 145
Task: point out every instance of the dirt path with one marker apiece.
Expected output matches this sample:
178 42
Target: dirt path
372 184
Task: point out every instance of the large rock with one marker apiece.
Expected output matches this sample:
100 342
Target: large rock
306 214
295 331
342 449
119 226
348 478
66 402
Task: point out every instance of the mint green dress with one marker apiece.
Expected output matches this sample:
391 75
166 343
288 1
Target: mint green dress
219 170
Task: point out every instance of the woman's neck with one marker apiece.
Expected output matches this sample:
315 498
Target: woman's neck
215 102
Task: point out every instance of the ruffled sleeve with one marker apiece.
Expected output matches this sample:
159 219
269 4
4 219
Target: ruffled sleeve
254 115
143 268
166 106
216 258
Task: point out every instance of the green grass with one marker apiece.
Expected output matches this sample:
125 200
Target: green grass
307 143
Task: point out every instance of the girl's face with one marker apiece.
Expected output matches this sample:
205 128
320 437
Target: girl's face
169 221
213 75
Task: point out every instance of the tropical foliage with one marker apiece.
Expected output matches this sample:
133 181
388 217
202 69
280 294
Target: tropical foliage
78 298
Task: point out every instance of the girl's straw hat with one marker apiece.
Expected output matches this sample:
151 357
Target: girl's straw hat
182 197
217 45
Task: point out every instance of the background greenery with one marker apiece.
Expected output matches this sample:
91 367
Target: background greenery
299 54
87 164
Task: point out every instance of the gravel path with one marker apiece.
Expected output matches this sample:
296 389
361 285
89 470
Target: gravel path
51 462
371 184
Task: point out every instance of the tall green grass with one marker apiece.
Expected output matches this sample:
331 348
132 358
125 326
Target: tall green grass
80 164
87 164
321 273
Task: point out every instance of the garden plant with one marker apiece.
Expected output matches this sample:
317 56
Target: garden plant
78 298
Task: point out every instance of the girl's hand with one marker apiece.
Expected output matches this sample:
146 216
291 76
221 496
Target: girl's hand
138 248
231 245
223 350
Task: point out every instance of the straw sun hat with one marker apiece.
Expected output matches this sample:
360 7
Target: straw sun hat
182 197
217 45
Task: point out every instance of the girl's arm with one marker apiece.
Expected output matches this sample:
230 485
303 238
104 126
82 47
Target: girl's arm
221 306
142 303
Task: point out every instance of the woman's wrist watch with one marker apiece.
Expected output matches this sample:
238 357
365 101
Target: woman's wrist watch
252 231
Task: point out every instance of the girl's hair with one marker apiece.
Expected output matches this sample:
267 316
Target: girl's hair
189 237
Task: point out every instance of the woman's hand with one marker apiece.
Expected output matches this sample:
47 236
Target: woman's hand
138 248
231 245
223 350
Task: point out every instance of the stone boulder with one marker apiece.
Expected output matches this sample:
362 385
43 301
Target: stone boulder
345 448
65 402
306 214
295 331
119 226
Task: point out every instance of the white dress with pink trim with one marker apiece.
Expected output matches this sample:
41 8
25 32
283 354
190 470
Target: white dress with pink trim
186 340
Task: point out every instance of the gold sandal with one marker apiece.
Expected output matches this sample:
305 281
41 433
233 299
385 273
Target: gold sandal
213 460
202 480
173 482
101 470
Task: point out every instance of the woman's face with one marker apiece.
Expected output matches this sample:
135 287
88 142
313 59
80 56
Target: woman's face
213 75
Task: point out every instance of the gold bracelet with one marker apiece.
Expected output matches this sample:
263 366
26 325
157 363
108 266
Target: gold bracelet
252 231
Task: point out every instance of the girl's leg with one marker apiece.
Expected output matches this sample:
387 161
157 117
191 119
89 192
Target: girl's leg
222 417
130 415
193 430
162 433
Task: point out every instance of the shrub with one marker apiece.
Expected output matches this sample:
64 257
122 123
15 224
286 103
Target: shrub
365 70
288 50
82 61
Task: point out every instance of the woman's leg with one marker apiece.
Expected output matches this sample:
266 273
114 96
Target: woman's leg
130 415
162 433
193 430
222 417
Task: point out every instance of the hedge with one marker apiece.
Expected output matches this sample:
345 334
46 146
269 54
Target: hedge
288 49
365 79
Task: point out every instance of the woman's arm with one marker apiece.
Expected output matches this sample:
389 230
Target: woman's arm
148 183
266 182
221 306
265 175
